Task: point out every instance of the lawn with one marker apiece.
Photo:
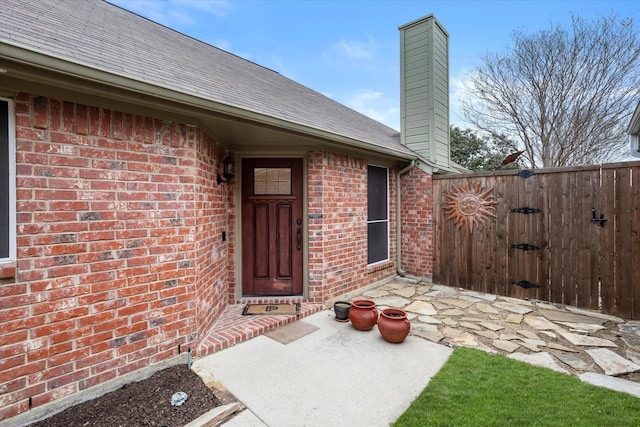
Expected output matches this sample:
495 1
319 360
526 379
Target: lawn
476 388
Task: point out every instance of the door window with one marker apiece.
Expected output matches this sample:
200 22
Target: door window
267 181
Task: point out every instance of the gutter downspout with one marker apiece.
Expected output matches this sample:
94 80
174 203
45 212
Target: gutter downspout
401 172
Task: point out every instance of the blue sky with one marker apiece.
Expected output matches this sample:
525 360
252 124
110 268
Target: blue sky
349 49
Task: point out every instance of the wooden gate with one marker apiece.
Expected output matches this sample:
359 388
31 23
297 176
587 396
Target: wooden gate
565 235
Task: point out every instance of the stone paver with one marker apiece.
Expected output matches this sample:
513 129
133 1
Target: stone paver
556 346
591 313
421 307
533 341
429 320
439 305
540 323
487 334
460 303
631 333
634 356
516 319
486 308
528 344
453 312
469 325
548 334
573 361
611 363
486 297
528 334
392 301
514 308
588 328
452 332
565 316
587 341
508 346
492 326
517 301
449 321
404 292
444 290
375 293
427 331
542 359
619 384
421 290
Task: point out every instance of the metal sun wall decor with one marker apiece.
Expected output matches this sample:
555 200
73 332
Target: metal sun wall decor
469 204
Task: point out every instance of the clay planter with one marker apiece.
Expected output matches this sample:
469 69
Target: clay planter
363 314
394 325
341 309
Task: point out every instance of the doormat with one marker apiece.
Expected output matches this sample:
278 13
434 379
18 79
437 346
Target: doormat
291 332
271 309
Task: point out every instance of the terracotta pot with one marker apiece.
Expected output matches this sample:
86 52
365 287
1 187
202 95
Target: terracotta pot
394 325
341 309
363 314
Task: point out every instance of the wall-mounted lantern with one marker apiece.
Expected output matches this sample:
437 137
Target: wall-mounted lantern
228 170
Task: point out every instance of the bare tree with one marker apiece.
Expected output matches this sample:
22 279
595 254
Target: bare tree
565 96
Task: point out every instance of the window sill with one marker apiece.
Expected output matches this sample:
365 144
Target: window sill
7 270
379 267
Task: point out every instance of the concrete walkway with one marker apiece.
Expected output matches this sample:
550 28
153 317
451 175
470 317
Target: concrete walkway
318 372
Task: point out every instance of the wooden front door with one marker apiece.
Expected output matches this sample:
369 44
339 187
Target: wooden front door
272 227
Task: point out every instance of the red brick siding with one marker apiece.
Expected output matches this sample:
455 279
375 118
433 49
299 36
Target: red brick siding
120 258
417 223
120 251
337 189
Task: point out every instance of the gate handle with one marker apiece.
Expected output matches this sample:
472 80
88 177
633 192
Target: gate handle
601 220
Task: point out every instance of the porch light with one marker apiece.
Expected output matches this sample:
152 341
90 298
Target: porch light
228 172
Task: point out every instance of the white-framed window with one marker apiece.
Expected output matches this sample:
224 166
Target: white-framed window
634 145
377 214
7 181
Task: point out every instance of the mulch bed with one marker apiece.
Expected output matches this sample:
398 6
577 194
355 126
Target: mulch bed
144 403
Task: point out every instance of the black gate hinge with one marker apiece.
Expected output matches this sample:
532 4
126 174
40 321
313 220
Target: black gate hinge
526 284
526 210
526 247
525 173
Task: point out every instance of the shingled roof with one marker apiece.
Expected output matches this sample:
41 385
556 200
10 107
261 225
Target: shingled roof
104 37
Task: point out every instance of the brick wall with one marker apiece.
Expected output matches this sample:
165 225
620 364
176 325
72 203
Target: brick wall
120 259
337 191
417 223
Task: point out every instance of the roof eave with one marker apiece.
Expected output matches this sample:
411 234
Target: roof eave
634 124
84 73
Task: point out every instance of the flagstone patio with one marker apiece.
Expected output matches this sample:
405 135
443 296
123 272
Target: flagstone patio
563 338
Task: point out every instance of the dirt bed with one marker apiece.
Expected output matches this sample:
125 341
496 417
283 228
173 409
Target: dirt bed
144 403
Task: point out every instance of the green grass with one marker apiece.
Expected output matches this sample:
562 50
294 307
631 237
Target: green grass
475 388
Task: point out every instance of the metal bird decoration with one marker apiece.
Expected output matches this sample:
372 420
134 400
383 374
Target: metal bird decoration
512 157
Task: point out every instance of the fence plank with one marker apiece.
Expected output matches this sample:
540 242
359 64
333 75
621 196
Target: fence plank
500 267
592 248
582 203
606 205
624 287
635 241
543 231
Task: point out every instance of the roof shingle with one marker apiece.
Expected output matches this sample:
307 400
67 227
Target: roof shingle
102 36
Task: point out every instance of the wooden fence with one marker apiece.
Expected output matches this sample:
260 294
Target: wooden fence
566 235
